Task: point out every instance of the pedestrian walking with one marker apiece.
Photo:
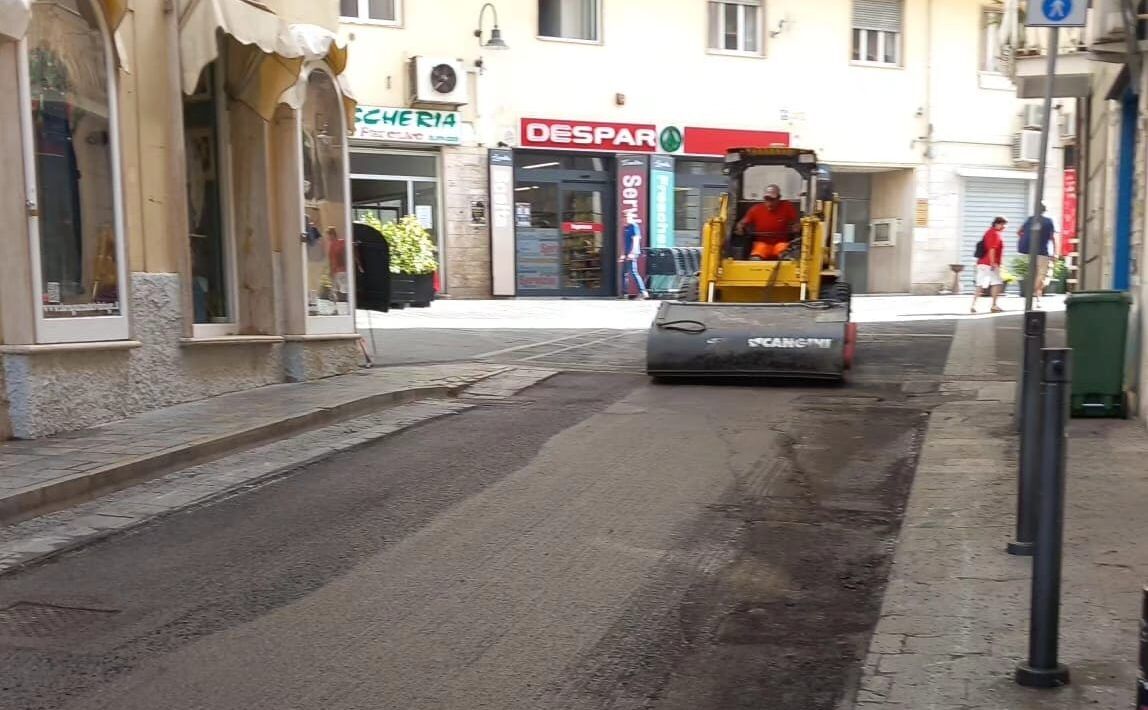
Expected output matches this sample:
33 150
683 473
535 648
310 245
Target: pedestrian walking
990 255
629 260
1046 252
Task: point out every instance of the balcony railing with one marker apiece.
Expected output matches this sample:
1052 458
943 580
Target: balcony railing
1103 37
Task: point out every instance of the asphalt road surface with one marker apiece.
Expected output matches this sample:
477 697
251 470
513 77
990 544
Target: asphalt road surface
596 542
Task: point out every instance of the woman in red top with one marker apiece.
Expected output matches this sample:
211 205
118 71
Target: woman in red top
988 274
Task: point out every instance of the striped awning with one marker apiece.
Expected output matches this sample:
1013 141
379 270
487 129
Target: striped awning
15 15
264 55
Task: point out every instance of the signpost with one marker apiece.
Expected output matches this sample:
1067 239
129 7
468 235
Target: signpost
1042 670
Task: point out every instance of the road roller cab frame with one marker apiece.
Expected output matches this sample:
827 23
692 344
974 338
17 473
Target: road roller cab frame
785 317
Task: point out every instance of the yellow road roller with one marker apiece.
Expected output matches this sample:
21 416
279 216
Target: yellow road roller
769 301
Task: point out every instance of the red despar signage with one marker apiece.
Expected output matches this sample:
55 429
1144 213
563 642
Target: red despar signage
642 137
716 141
589 135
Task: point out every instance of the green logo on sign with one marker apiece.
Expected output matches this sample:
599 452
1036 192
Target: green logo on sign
671 139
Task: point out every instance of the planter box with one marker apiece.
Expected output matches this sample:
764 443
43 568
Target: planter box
412 290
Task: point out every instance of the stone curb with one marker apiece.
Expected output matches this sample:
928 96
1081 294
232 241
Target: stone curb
38 500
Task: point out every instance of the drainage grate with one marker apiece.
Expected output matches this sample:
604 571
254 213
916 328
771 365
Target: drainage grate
46 620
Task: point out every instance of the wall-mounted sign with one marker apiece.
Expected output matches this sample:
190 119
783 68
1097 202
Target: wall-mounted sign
478 212
641 137
408 125
502 257
661 201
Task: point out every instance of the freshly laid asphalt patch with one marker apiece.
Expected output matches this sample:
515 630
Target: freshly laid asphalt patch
596 542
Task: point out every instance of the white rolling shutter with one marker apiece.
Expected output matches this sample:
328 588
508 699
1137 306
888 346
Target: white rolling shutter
884 15
985 200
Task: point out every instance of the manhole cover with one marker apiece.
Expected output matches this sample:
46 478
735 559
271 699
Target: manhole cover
46 620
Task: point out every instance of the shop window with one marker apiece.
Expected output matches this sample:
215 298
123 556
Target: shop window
564 161
538 243
209 219
375 11
327 255
877 31
78 233
568 19
392 185
735 26
991 41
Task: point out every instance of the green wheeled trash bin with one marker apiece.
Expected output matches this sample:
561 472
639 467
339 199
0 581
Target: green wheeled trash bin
1098 336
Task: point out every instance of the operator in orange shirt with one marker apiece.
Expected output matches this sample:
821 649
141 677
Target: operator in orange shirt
771 224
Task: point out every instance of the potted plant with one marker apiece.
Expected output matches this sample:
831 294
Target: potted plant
1059 282
1018 270
413 262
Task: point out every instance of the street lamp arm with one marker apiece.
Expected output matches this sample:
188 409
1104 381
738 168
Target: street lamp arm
481 15
496 41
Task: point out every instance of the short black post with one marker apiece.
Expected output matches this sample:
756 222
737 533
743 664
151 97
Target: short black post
1042 669
1142 683
1029 468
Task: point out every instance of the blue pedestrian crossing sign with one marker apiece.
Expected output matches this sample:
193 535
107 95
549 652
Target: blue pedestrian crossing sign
1057 13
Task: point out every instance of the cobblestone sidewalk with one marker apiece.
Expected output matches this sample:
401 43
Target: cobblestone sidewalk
954 624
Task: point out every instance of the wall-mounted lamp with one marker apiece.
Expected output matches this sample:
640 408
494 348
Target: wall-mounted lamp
495 41
780 27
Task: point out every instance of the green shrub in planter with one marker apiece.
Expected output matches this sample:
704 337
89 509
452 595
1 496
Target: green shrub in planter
412 249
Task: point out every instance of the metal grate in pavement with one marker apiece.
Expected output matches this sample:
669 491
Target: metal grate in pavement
47 620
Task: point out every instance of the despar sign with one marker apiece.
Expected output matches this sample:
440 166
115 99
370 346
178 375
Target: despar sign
408 125
633 195
791 343
589 135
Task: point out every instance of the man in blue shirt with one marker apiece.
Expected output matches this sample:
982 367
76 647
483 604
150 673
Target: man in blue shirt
633 237
1046 253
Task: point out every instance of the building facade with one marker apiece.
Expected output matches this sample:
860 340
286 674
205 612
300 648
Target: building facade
1100 74
177 203
526 161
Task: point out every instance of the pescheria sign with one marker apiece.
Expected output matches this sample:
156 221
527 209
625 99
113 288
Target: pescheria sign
589 135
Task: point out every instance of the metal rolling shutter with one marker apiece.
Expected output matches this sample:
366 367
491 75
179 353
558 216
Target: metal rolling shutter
986 199
877 15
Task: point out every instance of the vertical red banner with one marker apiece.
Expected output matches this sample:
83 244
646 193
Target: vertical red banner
1068 213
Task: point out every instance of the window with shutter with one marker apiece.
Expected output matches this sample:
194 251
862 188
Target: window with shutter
877 31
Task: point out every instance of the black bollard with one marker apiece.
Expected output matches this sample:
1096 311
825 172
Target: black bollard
1042 669
1142 683
1028 472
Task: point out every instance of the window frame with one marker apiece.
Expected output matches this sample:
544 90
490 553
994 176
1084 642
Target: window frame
760 6
91 328
858 42
364 15
227 208
334 324
983 45
598 26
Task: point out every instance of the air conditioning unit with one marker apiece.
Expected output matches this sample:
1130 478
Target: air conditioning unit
1026 147
1068 129
883 232
1105 22
438 83
1032 116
